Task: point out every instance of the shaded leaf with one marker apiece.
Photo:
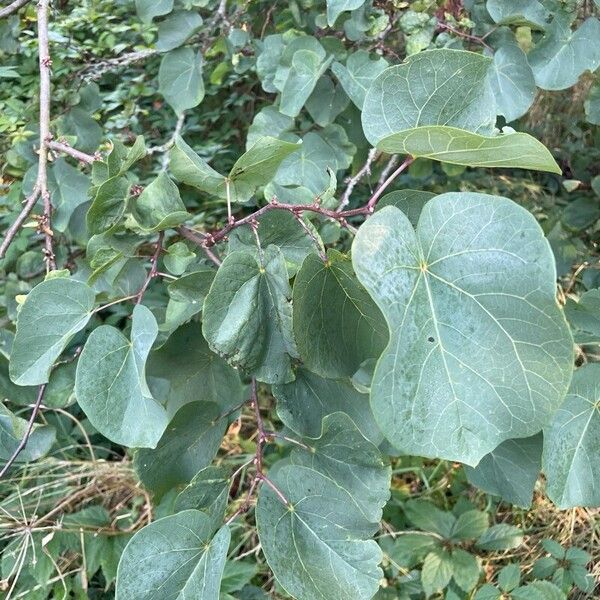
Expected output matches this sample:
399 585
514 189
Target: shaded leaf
180 79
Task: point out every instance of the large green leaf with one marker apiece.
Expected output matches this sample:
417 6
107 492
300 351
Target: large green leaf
256 167
193 372
512 80
336 324
510 471
109 205
418 93
480 351
571 458
180 79
148 9
174 558
316 550
518 12
111 384
188 444
53 312
247 316
460 147
12 431
303 404
564 54
159 206
437 571
336 7
177 28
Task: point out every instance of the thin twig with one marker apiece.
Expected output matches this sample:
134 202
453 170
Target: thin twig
28 430
42 178
387 169
77 154
375 197
11 8
365 170
467 36
14 228
153 268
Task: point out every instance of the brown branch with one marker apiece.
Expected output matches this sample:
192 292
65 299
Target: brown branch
467 36
28 430
365 170
375 197
153 268
11 8
14 228
77 154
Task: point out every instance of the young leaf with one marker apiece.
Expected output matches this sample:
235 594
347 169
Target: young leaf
305 402
510 470
416 93
500 537
159 206
188 444
53 312
470 525
109 205
174 557
509 577
478 268
180 79
460 147
193 372
111 385
247 317
336 324
571 458
336 7
538 590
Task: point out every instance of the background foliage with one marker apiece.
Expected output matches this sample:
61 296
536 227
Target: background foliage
136 293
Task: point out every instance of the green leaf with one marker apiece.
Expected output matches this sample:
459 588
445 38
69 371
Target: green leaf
465 569
518 12
563 55
305 70
111 386
581 213
326 102
408 549
436 572
500 537
460 147
237 574
177 28
193 372
336 7
188 444
53 312
510 470
538 590
256 167
180 79
314 549
487 592
175 557
121 158
305 402
78 122
509 577
358 74
544 567
159 206
336 324
109 205
554 548
571 458
208 491
513 83
71 191
410 202
428 517
148 9
415 94
470 525
342 453
247 317
478 268
13 430
281 228
592 105
269 122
